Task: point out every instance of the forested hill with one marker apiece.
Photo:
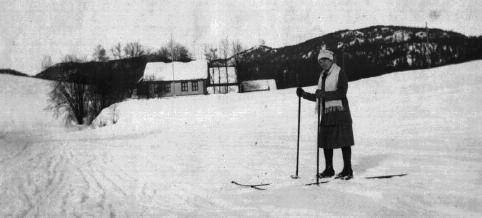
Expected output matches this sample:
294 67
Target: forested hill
365 52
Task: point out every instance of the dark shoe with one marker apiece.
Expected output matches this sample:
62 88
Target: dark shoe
327 173
345 174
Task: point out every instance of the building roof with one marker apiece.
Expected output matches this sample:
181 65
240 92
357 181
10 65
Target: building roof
160 71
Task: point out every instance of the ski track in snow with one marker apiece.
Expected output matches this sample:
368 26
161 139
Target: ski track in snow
177 156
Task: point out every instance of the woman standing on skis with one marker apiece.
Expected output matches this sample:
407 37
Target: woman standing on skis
336 123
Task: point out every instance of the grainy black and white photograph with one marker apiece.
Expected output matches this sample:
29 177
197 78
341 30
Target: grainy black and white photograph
240 108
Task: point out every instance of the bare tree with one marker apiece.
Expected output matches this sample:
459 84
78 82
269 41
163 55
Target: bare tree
134 49
225 52
68 98
69 94
178 52
224 48
236 47
163 53
70 58
100 54
182 53
46 62
117 51
210 53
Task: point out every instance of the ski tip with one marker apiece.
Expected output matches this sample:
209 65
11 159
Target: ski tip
322 182
386 176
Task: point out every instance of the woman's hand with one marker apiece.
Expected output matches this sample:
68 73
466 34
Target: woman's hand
300 92
319 93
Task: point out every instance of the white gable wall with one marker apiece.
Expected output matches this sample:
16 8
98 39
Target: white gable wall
218 75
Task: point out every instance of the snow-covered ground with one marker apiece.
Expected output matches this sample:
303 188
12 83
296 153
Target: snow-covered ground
178 156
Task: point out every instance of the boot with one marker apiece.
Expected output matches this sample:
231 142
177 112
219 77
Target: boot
345 174
328 172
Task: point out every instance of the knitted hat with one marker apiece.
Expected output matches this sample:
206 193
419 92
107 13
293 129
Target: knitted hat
325 54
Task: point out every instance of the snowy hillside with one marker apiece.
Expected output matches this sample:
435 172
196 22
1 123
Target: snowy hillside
178 156
23 102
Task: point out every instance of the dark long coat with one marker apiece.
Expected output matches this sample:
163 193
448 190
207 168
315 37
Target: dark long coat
336 126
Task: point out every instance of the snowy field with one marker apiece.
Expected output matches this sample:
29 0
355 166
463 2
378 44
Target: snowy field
178 156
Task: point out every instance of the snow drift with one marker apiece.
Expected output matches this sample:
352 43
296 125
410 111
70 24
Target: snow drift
23 103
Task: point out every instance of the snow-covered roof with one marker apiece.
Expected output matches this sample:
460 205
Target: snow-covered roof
160 71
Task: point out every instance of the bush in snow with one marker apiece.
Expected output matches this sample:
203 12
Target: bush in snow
82 90
69 99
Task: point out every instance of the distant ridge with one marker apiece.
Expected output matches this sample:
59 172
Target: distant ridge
12 72
365 52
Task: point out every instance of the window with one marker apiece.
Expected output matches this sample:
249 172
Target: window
184 87
194 86
167 87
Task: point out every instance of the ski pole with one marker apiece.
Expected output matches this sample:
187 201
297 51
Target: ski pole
322 108
298 139
317 144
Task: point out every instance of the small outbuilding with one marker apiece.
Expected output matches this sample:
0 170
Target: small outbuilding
222 80
258 85
173 79
222 76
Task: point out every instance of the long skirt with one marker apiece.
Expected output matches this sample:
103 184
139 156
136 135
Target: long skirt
336 129
336 136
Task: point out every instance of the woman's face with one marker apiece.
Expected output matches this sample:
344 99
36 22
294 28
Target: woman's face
325 63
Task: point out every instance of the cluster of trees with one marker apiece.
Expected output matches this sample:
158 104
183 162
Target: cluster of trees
224 50
172 51
82 88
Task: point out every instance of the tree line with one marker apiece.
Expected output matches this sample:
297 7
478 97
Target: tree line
83 87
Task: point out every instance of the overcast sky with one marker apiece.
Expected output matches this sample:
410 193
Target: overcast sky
31 29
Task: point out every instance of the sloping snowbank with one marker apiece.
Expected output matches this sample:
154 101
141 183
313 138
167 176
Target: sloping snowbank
23 103
108 116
